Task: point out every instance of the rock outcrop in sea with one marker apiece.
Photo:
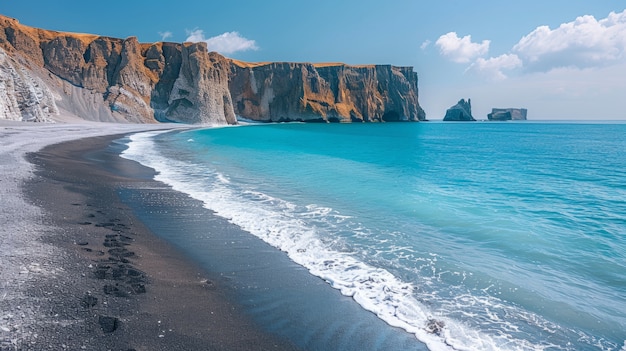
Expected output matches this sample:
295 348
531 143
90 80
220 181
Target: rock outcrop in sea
44 73
462 111
507 114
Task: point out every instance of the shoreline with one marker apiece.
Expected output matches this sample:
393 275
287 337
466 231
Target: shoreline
121 266
91 275
25 260
282 296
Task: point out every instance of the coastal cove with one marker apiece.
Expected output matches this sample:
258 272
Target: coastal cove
281 187
167 297
280 295
174 269
116 270
468 245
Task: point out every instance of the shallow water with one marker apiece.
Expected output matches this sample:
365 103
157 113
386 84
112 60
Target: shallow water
511 235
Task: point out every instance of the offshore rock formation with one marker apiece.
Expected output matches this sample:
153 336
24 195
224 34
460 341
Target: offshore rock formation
324 92
462 111
46 73
507 114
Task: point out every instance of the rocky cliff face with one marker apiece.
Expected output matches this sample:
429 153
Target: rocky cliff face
191 84
507 114
324 92
23 97
121 80
462 111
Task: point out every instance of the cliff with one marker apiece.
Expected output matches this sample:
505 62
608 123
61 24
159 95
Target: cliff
45 73
507 114
23 97
462 111
324 92
120 80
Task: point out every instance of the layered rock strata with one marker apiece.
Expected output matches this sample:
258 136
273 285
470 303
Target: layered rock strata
23 97
109 79
324 92
121 80
462 111
507 114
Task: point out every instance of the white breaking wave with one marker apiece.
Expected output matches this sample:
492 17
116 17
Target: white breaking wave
287 227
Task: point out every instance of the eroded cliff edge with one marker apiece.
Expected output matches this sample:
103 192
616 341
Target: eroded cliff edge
118 80
331 92
44 74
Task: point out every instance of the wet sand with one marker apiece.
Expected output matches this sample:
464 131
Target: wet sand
93 277
97 255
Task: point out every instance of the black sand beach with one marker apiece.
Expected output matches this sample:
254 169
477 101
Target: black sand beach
135 265
121 287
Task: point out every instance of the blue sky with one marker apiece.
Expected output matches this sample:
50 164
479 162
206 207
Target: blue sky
561 59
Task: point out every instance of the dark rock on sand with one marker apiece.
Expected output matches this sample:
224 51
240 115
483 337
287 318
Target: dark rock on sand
121 252
139 288
114 290
133 272
108 324
89 301
101 271
124 238
435 326
117 273
114 243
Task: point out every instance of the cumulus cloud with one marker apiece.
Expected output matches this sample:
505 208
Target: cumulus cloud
226 43
493 67
582 43
165 35
425 44
461 50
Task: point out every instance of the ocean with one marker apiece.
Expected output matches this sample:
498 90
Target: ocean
463 236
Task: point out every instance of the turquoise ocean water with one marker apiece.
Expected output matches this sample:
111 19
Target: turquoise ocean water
471 236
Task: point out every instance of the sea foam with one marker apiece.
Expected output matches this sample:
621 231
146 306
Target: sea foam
296 230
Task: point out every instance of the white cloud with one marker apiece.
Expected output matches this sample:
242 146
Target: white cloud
564 93
461 50
226 43
574 71
425 44
493 67
582 43
165 35
195 35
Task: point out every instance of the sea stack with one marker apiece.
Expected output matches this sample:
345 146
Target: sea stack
462 111
507 114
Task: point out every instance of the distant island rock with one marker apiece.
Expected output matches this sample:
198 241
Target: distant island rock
462 111
44 74
507 114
